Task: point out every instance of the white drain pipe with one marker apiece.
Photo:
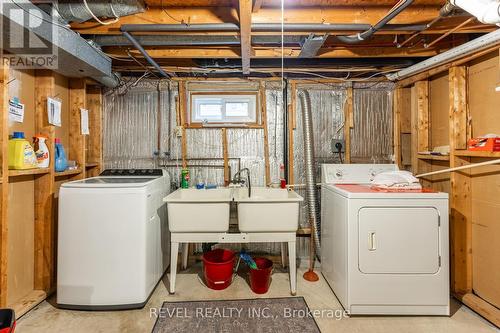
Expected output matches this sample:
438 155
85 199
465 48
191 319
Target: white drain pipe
486 11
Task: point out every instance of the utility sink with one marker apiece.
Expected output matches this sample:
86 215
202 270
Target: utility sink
267 210
192 210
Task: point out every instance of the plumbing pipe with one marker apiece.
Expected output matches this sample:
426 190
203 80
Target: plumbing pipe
310 170
463 167
139 47
264 27
446 10
486 11
373 29
449 32
489 40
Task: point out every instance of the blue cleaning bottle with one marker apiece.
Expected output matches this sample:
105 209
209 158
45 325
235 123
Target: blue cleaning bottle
61 161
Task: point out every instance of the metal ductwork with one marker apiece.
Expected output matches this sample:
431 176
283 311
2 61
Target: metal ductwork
72 56
486 11
310 172
76 10
479 44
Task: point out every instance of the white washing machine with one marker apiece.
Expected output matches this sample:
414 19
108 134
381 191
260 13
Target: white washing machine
383 253
113 239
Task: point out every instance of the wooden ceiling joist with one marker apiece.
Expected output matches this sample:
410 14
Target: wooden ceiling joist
245 11
197 15
235 52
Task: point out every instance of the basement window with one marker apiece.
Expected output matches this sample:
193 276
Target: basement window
218 108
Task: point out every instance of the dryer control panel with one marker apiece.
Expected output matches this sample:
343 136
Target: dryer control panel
353 173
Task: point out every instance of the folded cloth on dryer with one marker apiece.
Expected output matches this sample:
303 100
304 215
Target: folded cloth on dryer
396 180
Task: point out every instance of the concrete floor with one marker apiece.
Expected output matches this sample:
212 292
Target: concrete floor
47 318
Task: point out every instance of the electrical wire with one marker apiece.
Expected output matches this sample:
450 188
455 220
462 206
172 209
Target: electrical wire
173 18
97 19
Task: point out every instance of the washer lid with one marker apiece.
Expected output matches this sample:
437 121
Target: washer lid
365 191
110 182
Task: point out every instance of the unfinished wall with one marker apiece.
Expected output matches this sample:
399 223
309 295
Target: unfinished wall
21 212
131 133
483 103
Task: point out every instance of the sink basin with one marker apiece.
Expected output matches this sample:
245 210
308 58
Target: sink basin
192 210
267 210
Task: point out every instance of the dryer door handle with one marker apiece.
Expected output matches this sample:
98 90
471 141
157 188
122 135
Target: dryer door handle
372 241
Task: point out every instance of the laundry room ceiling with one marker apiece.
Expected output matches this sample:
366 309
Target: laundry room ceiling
239 36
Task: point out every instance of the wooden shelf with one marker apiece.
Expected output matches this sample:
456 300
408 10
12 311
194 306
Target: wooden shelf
28 302
433 157
91 165
470 153
69 173
14 173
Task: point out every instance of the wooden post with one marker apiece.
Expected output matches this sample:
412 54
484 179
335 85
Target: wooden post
182 109
94 141
263 109
460 198
4 186
245 13
291 127
397 107
348 124
78 100
44 242
420 129
227 176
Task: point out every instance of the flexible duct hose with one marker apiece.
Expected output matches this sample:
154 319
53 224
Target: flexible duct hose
368 33
311 195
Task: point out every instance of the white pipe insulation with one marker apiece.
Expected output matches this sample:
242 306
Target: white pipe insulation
486 11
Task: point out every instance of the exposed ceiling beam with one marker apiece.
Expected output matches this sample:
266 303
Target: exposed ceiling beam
192 40
245 10
197 15
256 5
311 46
234 52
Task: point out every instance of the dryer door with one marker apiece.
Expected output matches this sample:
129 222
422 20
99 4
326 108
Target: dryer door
398 240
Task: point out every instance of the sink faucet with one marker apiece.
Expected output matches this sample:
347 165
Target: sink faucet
237 180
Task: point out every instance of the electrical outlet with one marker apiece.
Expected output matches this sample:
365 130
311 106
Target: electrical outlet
178 131
335 146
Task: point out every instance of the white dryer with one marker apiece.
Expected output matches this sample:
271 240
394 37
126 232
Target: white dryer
383 253
113 239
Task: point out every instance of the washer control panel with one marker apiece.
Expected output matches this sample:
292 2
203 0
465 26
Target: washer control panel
132 172
353 173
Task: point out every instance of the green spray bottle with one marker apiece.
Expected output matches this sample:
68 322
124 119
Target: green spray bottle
185 178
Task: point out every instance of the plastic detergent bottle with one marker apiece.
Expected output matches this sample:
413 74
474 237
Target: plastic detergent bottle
61 161
21 153
200 184
42 151
185 178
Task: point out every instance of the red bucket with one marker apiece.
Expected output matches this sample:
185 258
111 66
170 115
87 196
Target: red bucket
260 278
218 268
7 321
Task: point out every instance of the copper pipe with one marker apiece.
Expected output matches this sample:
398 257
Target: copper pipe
449 32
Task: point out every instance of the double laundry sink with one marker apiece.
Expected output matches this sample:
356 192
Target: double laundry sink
203 211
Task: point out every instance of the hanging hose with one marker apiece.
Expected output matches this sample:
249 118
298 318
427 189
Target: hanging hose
398 8
312 202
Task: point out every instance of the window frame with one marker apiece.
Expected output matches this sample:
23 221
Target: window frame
255 100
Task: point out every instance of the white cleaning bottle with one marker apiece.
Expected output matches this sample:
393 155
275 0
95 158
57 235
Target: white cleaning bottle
42 151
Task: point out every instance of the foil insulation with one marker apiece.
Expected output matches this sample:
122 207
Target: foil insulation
140 121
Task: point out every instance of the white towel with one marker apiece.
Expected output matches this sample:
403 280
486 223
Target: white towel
396 180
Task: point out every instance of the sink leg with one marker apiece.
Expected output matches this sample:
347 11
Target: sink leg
283 255
185 255
293 267
174 253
